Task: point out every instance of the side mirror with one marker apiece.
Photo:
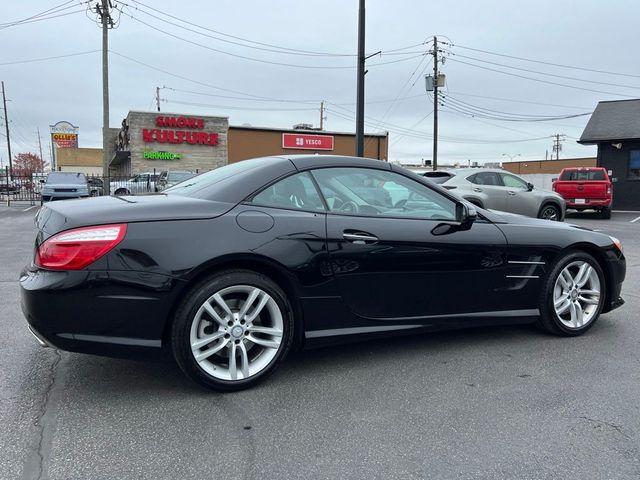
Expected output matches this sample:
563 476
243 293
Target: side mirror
466 214
529 186
553 180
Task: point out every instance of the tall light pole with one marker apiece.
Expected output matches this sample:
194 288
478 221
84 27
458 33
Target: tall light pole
360 85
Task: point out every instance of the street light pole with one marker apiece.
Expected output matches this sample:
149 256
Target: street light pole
360 84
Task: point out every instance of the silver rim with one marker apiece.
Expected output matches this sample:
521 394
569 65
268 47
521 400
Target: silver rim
576 294
236 332
550 213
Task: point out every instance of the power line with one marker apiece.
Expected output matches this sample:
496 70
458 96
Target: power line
17 62
38 19
502 99
262 44
539 80
547 74
229 107
547 63
258 60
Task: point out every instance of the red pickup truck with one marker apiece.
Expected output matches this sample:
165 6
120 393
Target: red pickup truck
585 188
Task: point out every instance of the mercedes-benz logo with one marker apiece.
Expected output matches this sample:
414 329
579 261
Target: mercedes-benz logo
237 331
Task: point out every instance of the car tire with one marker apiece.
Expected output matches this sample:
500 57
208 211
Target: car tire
550 212
605 213
573 295
122 191
224 344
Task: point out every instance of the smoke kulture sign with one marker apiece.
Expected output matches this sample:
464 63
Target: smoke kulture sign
193 133
64 135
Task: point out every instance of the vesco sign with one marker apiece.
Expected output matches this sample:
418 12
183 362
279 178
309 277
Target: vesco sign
307 142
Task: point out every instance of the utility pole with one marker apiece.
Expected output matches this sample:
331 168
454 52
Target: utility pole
103 10
435 103
322 115
557 145
6 126
158 97
40 147
360 85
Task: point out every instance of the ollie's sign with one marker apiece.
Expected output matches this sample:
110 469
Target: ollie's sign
193 136
307 142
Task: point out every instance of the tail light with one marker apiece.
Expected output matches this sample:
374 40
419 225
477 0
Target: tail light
609 190
77 248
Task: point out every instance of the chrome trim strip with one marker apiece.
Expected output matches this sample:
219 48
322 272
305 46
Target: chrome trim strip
43 343
353 331
137 342
523 276
526 263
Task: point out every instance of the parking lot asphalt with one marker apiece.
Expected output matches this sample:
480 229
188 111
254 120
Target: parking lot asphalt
494 403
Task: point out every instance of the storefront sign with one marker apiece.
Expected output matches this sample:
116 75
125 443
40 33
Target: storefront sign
161 155
307 142
194 136
64 135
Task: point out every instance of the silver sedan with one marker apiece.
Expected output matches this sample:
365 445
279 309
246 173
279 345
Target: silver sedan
497 189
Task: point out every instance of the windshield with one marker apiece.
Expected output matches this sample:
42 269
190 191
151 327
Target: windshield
176 177
582 175
66 177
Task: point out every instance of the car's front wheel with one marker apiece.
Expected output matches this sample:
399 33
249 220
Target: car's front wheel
232 330
573 295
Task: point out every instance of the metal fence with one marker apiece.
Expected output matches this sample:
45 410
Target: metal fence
30 188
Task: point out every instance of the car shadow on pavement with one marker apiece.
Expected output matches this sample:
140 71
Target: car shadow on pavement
161 374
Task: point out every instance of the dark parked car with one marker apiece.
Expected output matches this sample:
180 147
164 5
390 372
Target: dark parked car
64 185
10 187
237 266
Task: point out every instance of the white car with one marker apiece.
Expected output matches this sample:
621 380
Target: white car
141 183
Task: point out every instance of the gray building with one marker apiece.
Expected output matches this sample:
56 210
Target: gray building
160 141
615 128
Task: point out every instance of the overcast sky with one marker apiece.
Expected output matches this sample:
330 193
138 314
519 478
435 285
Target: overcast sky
274 85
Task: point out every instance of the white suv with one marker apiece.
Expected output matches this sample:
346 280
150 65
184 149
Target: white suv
141 183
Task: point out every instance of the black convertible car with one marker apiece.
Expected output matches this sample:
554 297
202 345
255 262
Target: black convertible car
233 268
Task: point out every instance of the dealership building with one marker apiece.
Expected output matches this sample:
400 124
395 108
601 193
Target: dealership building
148 141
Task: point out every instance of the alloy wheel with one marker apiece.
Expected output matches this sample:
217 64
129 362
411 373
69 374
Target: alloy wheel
549 213
577 295
236 332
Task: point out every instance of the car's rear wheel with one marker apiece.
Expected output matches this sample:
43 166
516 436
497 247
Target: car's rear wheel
550 212
232 330
122 191
573 295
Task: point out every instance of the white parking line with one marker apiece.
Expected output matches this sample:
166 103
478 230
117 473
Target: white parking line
30 208
635 220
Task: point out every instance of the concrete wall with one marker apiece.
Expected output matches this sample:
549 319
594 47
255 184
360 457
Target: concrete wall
248 142
85 170
542 181
194 157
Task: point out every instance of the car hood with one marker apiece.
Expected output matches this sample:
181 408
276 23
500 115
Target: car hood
65 185
57 216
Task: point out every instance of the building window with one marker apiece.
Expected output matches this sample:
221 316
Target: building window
634 165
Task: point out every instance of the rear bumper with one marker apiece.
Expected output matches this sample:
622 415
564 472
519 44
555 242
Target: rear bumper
589 203
105 313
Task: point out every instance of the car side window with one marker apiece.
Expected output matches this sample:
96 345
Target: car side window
296 192
373 192
514 182
485 178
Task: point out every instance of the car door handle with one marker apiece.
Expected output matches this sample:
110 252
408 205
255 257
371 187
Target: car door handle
511 192
476 189
359 238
